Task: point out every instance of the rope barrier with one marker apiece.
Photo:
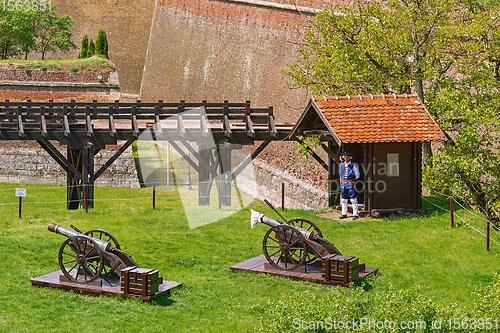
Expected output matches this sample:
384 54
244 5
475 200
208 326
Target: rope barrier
467 210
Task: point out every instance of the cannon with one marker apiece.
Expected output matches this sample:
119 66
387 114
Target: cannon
84 257
289 245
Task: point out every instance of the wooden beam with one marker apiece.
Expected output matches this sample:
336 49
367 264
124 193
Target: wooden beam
112 128
180 126
225 122
183 154
20 129
315 156
249 159
157 127
248 120
43 122
54 156
88 122
53 151
272 126
331 153
113 158
201 161
203 121
65 121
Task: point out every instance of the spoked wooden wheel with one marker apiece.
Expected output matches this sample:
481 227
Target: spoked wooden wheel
80 259
103 235
310 226
306 224
284 247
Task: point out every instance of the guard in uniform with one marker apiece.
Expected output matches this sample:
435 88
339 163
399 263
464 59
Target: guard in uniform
349 172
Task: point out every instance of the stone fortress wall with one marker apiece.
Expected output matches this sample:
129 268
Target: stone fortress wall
236 50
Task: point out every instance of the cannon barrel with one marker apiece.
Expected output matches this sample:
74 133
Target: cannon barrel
105 246
259 217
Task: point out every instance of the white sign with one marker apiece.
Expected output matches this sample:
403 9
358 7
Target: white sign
20 192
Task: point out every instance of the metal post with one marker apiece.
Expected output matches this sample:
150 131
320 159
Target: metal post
283 196
154 195
451 212
168 163
85 198
20 202
488 236
188 176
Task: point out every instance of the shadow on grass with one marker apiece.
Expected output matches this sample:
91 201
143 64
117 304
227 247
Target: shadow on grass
163 301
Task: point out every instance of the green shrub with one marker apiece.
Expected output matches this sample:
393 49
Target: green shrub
74 69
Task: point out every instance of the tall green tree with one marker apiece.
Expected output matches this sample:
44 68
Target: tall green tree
15 31
85 47
54 34
101 43
445 51
91 49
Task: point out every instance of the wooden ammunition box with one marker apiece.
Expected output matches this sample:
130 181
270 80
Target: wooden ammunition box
340 268
140 281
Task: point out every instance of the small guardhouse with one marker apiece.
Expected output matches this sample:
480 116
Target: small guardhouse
385 133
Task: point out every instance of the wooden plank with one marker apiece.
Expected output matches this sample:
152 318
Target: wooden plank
258 265
108 287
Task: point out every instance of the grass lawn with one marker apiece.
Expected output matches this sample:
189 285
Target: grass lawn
89 64
448 264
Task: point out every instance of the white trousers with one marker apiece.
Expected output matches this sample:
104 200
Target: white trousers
354 202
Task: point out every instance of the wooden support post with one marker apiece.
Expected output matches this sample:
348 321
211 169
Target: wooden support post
333 181
282 196
154 195
20 204
73 180
451 212
204 179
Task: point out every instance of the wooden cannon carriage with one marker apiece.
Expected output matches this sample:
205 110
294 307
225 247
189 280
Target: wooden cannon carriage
297 249
93 263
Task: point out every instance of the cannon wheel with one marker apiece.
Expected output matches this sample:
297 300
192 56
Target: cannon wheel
80 256
308 225
103 235
286 242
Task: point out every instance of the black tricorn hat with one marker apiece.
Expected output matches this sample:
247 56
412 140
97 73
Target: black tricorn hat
347 153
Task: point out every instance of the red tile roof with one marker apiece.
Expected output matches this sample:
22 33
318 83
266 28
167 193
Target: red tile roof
379 118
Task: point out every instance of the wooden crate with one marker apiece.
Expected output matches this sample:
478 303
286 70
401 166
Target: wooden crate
340 268
140 281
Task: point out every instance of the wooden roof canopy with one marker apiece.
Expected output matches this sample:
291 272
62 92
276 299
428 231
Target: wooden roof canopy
368 119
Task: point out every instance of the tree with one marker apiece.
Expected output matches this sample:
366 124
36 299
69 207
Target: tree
445 51
54 34
85 47
14 33
91 49
101 44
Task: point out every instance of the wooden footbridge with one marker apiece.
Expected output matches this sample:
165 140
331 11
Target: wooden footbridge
86 128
